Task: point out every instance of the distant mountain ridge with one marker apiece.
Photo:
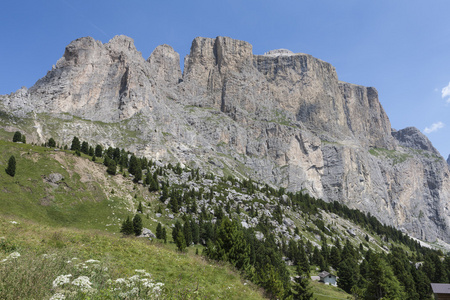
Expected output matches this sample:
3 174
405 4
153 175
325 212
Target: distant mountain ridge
281 117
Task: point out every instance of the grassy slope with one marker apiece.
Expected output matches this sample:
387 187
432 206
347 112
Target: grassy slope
81 217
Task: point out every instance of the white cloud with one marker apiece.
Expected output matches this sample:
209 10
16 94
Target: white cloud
434 126
446 93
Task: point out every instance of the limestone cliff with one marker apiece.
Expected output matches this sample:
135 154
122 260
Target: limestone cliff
281 117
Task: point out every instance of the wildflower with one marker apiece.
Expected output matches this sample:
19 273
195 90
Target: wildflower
121 280
133 291
134 278
61 280
83 282
58 296
92 261
13 222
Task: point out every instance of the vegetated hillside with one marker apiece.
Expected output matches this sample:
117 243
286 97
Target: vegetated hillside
281 117
68 205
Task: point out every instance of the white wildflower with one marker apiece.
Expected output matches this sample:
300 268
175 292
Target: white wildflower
92 261
134 291
147 283
83 282
14 255
13 222
3 260
134 278
123 294
58 296
61 280
121 280
157 288
81 266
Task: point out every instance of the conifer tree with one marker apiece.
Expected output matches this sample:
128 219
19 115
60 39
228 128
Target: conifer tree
164 235
112 169
303 262
127 227
75 144
302 289
51 143
23 139
139 209
381 281
133 164
176 230
98 151
137 174
347 274
181 243
85 147
159 231
195 232
11 169
187 233
137 225
17 137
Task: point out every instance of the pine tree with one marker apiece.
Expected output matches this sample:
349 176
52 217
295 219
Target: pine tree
23 139
195 232
181 243
346 273
187 233
303 262
137 225
159 231
137 174
381 280
176 230
164 235
85 147
127 227
302 289
11 169
51 143
139 209
133 165
17 137
91 151
75 144
112 169
98 151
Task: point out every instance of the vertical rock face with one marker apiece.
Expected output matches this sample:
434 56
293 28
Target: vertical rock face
164 65
281 117
95 81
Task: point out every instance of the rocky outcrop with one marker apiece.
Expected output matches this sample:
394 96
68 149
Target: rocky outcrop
281 117
411 137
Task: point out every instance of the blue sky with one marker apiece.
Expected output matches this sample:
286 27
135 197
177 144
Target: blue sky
399 47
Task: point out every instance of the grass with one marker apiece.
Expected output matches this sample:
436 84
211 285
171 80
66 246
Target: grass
328 292
80 217
396 156
32 273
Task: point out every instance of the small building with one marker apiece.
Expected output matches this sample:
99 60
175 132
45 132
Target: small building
328 278
441 291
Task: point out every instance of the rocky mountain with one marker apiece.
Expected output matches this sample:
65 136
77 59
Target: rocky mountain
282 117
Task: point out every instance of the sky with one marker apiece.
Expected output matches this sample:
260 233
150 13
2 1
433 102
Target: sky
400 47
